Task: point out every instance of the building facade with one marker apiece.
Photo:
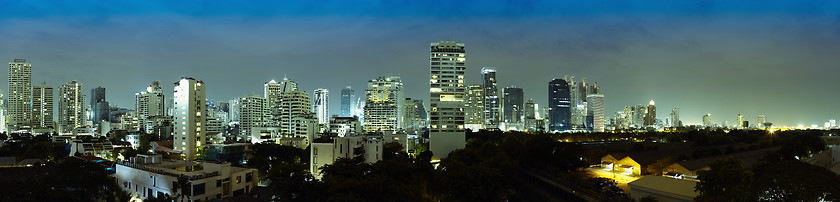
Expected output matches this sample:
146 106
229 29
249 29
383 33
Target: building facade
595 105
560 106
447 63
42 108
150 103
20 95
491 97
321 105
99 107
190 116
71 109
384 104
474 108
348 98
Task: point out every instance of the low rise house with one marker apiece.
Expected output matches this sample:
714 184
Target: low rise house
362 146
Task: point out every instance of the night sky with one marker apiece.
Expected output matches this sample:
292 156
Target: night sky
777 58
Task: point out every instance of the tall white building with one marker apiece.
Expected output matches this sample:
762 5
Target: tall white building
383 104
321 106
595 105
253 112
447 63
42 108
20 95
190 116
71 107
150 103
675 117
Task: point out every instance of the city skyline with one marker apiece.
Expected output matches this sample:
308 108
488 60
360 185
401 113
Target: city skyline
733 58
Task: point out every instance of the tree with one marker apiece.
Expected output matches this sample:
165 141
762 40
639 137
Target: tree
659 166
726 180
793 180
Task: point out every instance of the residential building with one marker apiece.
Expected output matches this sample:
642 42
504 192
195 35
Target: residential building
474 108
366 147
321 106
20 95
42 109
383 104
150 103
70 107
190 116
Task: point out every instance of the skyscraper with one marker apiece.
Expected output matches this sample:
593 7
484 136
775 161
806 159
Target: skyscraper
71 114
383 104
760 123
675 118
491 98
150 103
321 106
529 115
273 93
98 106
650 114
348 96
42 108
512 105
190 116
560 104
20 95
296 113
474 108
740 120
447 63
411 116
707 120
595 105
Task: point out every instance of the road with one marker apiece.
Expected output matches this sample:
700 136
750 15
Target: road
620 179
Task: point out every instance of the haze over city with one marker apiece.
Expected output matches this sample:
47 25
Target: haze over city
718 57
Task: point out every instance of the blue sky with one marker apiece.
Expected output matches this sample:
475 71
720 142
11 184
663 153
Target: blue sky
777 58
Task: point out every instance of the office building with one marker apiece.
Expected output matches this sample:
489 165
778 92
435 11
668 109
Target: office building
447 63
42 109
365 147
321 106
20 95
190 116
559 102
273 93
98 106
675 118
512 105
650 114
707 120
71 114
296 117
383 104
529 117
411 115
474 108
491 98
348 98
740 120
595 105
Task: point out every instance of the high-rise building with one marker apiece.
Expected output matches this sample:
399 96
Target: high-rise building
675 118
595 105
348 97
190 116
707 120
740 120
296 113
650 114
411 116
98 106
512 105
474 108
447 63
253 112
491 98
150 103
273 93
529 115
321 106
42 108
383 104
760 123
71 114
3 112
559 103
20 95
